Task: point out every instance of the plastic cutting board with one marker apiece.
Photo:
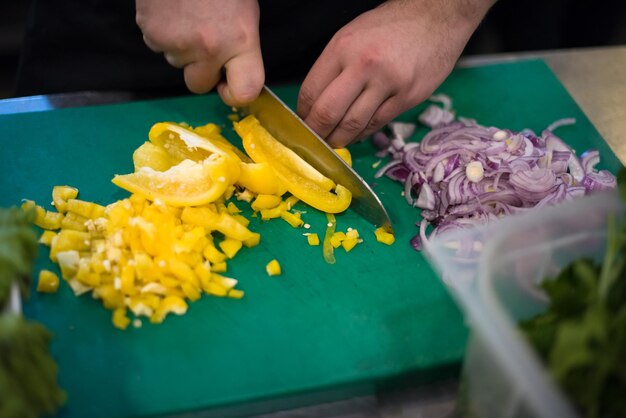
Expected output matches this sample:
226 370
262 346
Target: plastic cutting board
378 317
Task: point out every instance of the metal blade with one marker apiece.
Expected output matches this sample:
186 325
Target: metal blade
290 130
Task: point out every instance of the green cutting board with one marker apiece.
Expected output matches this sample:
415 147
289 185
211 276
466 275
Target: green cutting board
318 332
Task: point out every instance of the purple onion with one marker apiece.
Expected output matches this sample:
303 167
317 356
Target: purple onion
521 171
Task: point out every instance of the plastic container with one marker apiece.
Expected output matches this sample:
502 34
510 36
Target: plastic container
492 272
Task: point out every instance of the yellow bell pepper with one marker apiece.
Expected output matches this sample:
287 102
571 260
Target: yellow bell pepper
265 201
48 282
183 143
384 236
273 268
313 239
263 147
230 247
60 196
260 178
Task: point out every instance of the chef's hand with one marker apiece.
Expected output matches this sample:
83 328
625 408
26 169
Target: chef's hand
384 62
215 42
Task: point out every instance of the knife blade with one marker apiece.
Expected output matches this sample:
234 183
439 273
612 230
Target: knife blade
289 129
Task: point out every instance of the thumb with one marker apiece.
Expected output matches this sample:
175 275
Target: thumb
244 78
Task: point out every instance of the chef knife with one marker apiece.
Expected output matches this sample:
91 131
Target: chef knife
291 131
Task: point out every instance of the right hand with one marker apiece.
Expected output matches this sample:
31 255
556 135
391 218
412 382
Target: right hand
208 38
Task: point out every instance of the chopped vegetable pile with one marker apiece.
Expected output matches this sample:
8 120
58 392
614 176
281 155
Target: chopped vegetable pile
462 174
582 334
151 254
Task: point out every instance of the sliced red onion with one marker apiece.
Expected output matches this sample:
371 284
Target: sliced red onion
381 171
561 122
520 171
599 181
426 198
380 140
434 117
575 168
402 130
589 160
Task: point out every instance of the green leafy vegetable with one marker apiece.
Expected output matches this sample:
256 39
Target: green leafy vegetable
18 249
582 334
28 373
28 386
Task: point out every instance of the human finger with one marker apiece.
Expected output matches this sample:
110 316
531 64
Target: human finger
385 113
152 45
202 76
321 74
358 117
177 60
333 103
245 77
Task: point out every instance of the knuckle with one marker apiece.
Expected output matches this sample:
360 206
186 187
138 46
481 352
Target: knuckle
305 96
352 124
209 42
324 117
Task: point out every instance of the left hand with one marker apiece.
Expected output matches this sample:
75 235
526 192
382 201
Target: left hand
384 62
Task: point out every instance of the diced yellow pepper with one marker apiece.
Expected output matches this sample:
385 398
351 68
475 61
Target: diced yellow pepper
291 202
235 293
232 208
213 254
349 243
215 289
219 267
267 214
352 233
170 304
48 282
273 268
221 222
230 247
85 209
313 239
120 320
60 196
337 238
111 297
43 218
345 155
265 201
242 220
292 219
68 263
384 236
226 282
46 237
74 221
183 272
191 292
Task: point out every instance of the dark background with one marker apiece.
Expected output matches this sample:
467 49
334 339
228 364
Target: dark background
511 26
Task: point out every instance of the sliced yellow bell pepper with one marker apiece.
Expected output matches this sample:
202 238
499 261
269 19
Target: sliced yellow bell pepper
327 247
186 184
265 201
185 144
260 178
263 147
153 156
